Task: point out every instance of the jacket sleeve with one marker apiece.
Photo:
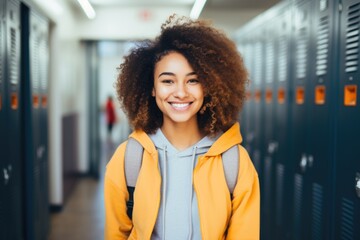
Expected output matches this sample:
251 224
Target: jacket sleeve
117 224
245 218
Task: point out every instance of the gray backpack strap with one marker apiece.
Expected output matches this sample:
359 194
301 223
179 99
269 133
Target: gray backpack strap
133 159
231 162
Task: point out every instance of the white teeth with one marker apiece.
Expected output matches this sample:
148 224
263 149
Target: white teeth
180 105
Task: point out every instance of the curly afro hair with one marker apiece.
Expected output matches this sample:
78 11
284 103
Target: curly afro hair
212 55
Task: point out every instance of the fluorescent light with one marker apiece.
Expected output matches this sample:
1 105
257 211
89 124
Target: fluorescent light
197 8
87 8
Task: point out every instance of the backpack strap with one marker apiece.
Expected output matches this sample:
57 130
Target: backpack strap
133 159
230 159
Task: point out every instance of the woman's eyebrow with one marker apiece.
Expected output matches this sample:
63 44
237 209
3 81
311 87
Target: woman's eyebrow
173 74
166 73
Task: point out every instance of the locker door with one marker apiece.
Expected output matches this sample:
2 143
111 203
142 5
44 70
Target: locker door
35 68
13 156
320 157
3 175
270 65
282 186
300 116
245 120
347 197
257 81
42 41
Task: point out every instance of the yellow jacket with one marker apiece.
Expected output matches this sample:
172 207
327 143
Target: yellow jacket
220 216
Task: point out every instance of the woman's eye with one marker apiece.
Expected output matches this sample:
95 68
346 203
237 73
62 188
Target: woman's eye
167 81
193 81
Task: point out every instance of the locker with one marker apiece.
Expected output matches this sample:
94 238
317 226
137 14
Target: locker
300 111
269 108
35 68
11 165
282 186
3 208
347 197
320 158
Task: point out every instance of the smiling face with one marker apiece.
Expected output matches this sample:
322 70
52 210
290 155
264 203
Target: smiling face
178 93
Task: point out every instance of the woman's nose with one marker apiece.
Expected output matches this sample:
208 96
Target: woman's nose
180 91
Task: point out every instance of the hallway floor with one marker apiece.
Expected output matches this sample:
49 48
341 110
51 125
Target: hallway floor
82 217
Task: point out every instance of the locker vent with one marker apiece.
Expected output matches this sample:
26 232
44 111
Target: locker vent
44 63
1 52
270 61
322 49
267 184
298 200
347 219
301 53
258 63
279 193
352 39
282 58
317 211
35 58
14 75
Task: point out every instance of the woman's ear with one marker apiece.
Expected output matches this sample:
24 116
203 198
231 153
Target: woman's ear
153 92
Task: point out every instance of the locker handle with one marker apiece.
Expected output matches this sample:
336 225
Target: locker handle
350 95
303 163
6 176
357 184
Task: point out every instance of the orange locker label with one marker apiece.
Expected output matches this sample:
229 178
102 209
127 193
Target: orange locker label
35 101
257 96
268 96
350 95
14 101
281 95
44 101
320 95
300 95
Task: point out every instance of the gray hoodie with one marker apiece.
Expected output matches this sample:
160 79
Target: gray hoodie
178 216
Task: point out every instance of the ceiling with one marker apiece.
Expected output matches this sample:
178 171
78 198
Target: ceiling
213 4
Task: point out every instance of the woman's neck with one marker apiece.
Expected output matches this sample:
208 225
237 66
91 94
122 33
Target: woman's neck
182 136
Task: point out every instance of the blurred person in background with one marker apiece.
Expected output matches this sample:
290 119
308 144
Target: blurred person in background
110 116
182 94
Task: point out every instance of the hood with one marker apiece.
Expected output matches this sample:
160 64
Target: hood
222 143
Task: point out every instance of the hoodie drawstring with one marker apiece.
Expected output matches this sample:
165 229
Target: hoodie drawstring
192 191
164 193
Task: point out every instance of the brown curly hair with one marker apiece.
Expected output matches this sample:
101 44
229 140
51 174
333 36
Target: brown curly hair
212 55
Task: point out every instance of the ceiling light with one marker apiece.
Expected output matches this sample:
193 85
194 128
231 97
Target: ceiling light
87 8
197 8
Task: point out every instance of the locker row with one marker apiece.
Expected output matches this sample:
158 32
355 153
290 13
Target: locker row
300 123
23 122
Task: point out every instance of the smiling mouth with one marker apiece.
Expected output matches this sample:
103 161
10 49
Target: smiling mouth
180 106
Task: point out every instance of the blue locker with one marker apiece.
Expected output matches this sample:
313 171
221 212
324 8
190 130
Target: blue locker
35 79
282 188
3 175
320 156
12 165
347 195
300 111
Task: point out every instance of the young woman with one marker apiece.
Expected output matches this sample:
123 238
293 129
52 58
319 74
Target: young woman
182 93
